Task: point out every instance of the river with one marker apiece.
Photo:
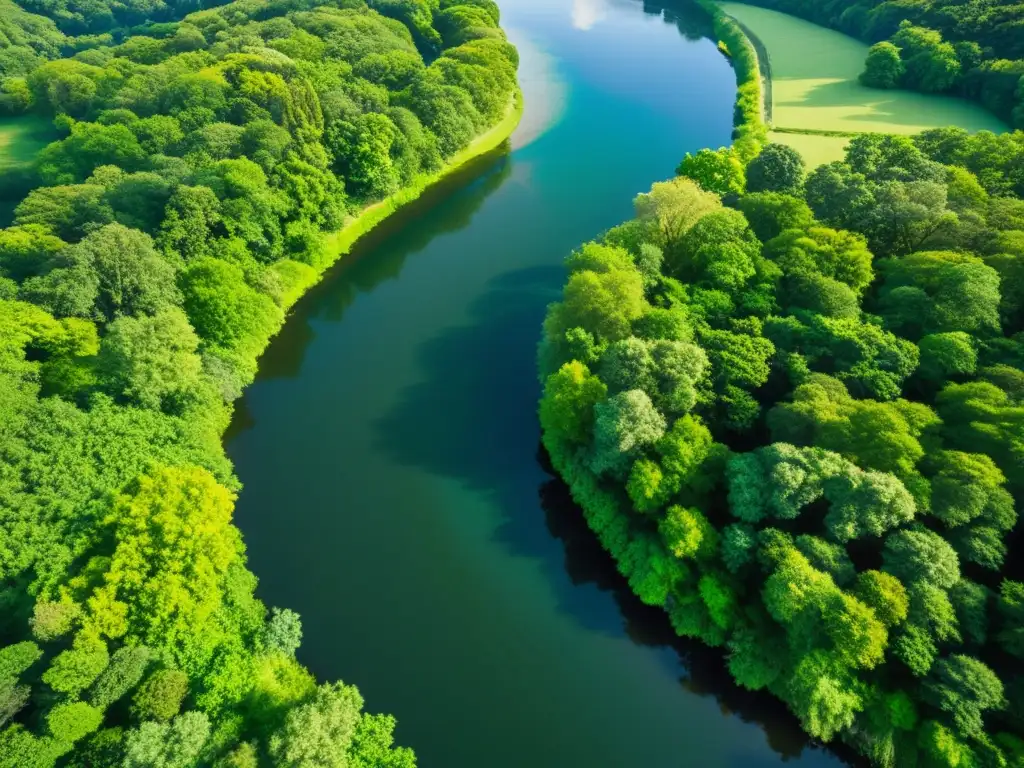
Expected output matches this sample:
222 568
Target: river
394 495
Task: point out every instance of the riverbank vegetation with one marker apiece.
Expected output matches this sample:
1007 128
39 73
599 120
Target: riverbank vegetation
791 409
201 167
817 89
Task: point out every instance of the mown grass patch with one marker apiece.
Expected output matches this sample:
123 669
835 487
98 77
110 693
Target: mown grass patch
816 149
815 86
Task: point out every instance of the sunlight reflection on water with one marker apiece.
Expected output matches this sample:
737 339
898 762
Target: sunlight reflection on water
544 90
587 13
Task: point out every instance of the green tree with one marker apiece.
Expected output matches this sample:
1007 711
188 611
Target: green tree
373 745
912 555
190 221
866 504
840 255
772 213
223 308
66 210
73 670
319 732
250 209
166 577
604 305
362 155
885 594
838 195
624 425
174 745
884 68
932 65
916 649
778 168
126 668
16 658
858 637
90 145
27 251
160 695
963 688
947 355
13 698
688 534
131 277
969 486
152 361
823 697
938 292
73 722
718 171
284 632
671 208
567 408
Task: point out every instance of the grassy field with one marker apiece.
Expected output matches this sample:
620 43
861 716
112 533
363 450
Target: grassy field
817 150
814 86
22 137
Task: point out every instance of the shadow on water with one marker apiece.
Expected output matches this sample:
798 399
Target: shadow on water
355 274
705 673
463 193
472 417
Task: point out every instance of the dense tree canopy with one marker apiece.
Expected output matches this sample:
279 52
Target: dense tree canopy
831 491
202 159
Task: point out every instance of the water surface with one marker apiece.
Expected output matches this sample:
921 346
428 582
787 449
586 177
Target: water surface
389 448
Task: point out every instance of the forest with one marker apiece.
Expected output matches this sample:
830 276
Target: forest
203 159
963 47
791 406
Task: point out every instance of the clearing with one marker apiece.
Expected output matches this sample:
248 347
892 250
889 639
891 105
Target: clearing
21 138
814 74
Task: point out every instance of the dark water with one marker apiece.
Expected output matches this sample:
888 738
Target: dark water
389 450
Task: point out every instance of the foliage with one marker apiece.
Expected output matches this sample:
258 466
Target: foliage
205 156
319 732
718 171
777 168
160 696
174 745
884 68
832 493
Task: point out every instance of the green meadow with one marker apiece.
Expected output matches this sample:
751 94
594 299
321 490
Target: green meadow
22 137
814 75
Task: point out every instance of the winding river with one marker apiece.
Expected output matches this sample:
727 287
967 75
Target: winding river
389 449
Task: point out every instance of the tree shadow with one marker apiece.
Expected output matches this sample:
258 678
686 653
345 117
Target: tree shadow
472 417
896 108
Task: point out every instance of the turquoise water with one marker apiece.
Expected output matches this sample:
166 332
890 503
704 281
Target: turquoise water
394 494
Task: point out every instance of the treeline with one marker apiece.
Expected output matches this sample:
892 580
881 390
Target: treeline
962 47
750 131
793 412
202 164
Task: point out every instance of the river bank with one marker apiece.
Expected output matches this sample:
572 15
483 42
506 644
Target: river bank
340 243
391 440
